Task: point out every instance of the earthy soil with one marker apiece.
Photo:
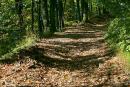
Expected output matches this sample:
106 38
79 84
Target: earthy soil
77 57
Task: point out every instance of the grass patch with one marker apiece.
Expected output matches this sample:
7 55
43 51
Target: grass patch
124 57
25 43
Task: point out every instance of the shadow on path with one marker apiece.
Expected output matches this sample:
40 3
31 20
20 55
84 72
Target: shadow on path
74 49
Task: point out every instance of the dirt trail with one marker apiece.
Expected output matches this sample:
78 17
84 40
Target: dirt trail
77 57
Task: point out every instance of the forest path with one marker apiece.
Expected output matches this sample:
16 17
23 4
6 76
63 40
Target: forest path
77 57
76 43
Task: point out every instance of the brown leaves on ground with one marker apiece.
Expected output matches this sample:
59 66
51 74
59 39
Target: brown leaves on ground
77 57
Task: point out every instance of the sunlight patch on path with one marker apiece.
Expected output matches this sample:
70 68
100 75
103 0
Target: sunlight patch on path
69 40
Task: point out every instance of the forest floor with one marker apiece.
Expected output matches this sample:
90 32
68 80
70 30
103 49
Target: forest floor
77 57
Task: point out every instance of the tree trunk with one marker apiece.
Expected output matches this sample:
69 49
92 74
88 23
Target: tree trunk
82 8
32 16
52 16
78 10
74 10
40 21
57 15
19 8
61 14
46 12
86 11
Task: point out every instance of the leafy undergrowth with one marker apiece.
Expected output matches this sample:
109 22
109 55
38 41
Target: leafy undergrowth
76 57
13 42
118 34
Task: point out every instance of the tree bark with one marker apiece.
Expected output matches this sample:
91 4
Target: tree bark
19 8
46 12
78 10
32 15
40 21
52 16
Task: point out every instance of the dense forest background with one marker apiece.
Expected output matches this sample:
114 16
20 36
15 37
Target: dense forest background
24 21
64 43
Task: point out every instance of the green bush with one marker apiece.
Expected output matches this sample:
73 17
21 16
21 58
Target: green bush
13 42
12 38
118 34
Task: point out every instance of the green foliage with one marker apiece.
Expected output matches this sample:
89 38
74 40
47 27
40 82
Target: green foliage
69 9
9 41
25 43
117 7
13 44
119 33
8 16
12 39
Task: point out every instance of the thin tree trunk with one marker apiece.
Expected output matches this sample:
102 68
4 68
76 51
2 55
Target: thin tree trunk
86 12
74 10
78 10
82 9
46 12
19 8
61 14
40 21
57 15
99 11
32 15
52 16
